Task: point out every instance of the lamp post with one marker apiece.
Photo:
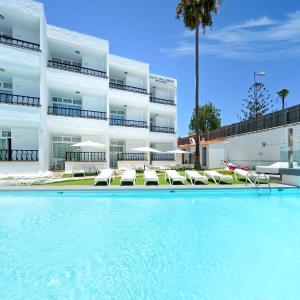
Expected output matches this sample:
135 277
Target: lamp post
255 87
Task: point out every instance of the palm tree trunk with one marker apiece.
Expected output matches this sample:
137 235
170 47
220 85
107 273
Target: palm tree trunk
197 150
282 101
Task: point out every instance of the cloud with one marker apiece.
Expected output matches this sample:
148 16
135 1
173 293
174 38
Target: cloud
254 39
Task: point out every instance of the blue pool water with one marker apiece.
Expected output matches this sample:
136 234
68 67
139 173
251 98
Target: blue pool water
209 245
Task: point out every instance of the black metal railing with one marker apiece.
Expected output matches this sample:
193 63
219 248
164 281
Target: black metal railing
162 101
85 156
19 100
132 156
127 88
19 43
162 129
76 69
19 155
271 120
162 157
76 113
127 123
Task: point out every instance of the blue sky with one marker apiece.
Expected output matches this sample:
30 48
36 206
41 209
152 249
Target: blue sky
247 35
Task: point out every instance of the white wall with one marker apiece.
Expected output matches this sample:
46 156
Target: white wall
94 103
26 86
26 35
262 147
24 139
216 153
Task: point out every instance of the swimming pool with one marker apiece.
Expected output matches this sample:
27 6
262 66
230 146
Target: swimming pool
188 244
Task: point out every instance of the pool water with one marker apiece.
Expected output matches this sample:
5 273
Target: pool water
205 244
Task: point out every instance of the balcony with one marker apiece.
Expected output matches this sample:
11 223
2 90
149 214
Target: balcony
127 123
85 156
162 129
127 88
19 43
132 156
19 100
162 101
19 155
162 157
76 113
76 69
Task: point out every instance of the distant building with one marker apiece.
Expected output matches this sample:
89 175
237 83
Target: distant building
257 142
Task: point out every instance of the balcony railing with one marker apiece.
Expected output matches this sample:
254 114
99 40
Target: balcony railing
132 156
162 129
19 43
162 157
127 88
76 113
19 155
85 156
162 101
19 100
76 69
127 123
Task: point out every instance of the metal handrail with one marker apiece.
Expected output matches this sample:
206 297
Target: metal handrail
19 100
162 129
162 157
7 40
132 156
127 88
19 155
76 69
162 101
77 113
85 156
127 123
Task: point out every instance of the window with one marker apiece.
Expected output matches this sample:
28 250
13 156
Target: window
66 61
117 81
117 114
4 136
60 146
67 106
6 87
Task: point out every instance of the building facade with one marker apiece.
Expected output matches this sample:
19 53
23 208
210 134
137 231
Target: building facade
254 142
59 87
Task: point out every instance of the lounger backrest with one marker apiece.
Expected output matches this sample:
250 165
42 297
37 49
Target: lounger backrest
150 173
213 173
192 173
241 172
106 172
129 173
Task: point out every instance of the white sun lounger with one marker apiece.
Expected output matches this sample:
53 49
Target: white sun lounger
195 177
78 171
150 176
106 176
251 177
274 168
128 176
173 176
218 177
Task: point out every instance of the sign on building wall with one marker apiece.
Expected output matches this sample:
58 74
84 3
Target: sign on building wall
163 80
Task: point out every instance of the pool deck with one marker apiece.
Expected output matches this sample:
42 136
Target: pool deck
141 187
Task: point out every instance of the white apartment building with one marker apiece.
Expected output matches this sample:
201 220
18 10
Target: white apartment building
59 87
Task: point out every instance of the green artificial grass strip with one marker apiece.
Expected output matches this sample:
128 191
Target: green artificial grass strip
139 181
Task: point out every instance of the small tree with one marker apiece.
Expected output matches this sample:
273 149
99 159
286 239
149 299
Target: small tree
209 118
257 103
283 94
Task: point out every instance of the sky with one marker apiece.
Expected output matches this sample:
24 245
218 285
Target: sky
247 36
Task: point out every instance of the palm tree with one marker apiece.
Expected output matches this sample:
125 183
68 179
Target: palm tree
196 13
283 94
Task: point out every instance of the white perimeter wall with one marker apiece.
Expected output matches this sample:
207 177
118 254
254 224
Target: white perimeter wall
249 148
